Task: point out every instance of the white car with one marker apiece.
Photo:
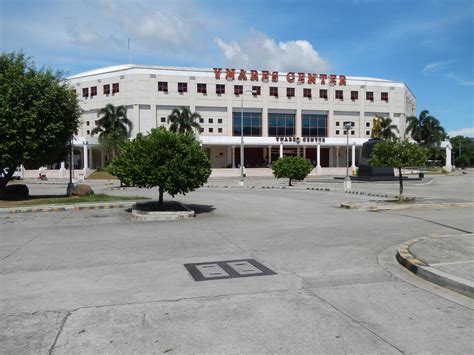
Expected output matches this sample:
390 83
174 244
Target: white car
18 174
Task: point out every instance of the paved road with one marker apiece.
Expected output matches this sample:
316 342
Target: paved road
101 282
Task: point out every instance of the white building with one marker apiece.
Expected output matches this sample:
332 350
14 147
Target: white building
291 113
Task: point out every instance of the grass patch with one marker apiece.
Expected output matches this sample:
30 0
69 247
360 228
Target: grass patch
101 175
65 200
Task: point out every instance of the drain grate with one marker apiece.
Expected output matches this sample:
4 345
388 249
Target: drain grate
217 270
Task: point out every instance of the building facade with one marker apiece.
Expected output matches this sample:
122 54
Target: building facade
283 113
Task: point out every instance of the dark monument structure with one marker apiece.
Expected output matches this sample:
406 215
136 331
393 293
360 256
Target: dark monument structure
367 172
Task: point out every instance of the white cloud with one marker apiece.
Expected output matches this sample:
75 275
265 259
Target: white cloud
435 66
467 132
262 52
460 81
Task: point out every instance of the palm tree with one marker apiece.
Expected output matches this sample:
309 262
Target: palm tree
383 128
425 129
113 127
183 121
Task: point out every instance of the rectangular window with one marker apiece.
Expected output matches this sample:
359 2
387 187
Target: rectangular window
352 133
354 95
163 86
88 123
252 124
323 94
163 119
337 131
307 93
290 92
93 91
273 91
281 124
367 124
339 95
201 120
314 125
115 88
202 88
369 95
85 92
219 120
367 133
219 130
88 132
220 89
211 130
384 96
211 120
337 123
106 89
182 87
256 90
238 89
201 130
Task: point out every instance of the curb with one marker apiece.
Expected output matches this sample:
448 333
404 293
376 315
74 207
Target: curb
250 187
377 208
420 268
163 215
78 207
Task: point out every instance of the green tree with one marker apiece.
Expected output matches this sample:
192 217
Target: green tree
387 129
398 153
183 121
463 148
113 127
38 115
174 162
293 168
425 129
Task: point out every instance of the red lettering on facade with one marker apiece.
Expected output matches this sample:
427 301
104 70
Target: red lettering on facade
323 78
301 78
312 78
243 75
254 75
217 72
332 79
265 74
342 80
275 76
290 77
230 74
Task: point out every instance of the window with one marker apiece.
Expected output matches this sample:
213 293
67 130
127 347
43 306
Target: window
88 132
337 131
182 87
384 96
85 92
352 133
220 89
273 91
163 86
252 124
163 119
238 89
94 91
219 120
354 95
339 95
290 92
211 130
106 89
314 125
115 88
337 123
201 88
88 123
307 93
323 94
211 120
369 95
281 124
201 120
367 124
219 130
201 130
256 90
367 133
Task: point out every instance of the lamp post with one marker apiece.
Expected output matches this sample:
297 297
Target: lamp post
347 179
241 182
70 185
298 140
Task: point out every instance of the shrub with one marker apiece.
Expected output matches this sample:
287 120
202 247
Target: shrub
293 168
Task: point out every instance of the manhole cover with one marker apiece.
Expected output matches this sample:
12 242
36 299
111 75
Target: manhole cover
216 270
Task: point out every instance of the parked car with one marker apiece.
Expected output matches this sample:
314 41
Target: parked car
18 174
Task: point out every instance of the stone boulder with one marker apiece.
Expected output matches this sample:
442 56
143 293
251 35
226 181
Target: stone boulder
17 191
82 190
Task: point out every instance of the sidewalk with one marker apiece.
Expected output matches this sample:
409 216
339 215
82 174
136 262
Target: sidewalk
445 260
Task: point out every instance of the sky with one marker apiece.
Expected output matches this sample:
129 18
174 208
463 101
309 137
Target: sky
428 44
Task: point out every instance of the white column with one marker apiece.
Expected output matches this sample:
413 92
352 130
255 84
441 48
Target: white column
448 166
304 152
269 154
353 158
318 158
86 156
233 156
281 150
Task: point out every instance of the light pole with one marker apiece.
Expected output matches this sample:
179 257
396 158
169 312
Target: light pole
70 185
347 179
298 140
241 182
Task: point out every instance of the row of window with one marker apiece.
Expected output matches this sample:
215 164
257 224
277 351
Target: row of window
290 92
344 132
367 124
106 90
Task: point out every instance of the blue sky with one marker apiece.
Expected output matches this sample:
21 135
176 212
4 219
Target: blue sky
428 44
